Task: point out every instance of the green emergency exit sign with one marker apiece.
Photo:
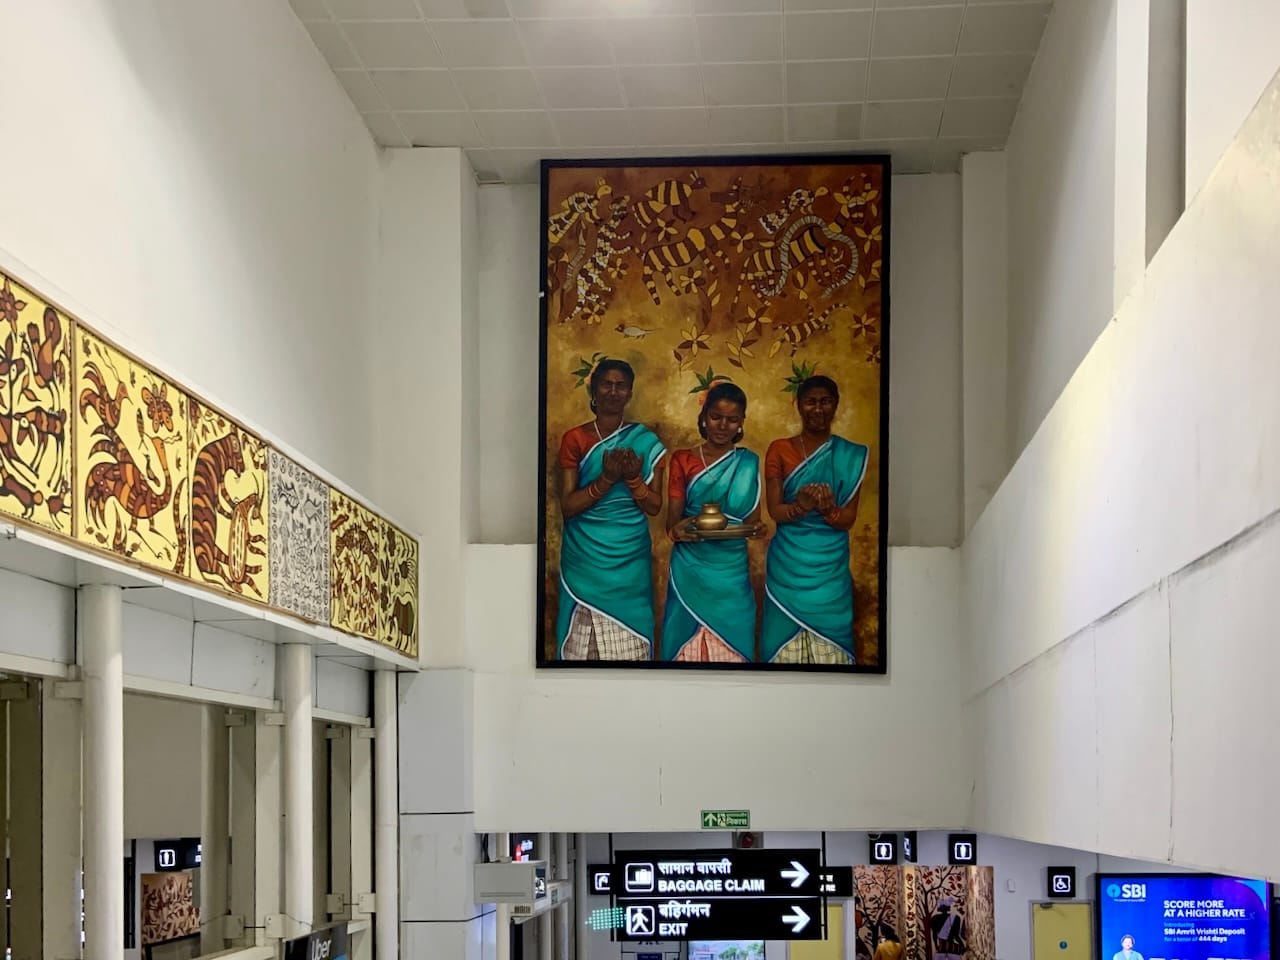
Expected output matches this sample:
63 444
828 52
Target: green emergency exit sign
726 819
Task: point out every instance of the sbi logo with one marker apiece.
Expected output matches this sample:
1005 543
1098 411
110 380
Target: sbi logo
1127 891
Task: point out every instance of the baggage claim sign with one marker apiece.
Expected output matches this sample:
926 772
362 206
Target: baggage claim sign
719 894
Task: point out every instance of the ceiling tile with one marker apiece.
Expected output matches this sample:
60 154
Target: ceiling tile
946 158
909 78
835 35
737 6
902 119
498 89
361 90
746 124
440 129
676 127
742 83
978 118
555 9
374 10
826 121
649 8
572 87
1003 28
671 86
730 39
837 81
464 9
530 128
656 40
393 46
991 75
793 6
385 130
479 43
567 43
309 9
594 128
417 89
916 33
333 45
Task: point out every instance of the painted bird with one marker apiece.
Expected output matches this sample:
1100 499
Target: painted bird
635 333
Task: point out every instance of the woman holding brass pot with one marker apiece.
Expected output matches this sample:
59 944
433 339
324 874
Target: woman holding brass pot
713 508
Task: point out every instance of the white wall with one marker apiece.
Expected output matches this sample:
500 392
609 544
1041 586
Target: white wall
925 402
191 178
1120 594
1232 54
162 741
1061 216
593 750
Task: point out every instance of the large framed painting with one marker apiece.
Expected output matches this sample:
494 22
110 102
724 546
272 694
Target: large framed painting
714 413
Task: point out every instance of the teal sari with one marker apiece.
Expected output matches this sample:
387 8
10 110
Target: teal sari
807 581
606 554
710 583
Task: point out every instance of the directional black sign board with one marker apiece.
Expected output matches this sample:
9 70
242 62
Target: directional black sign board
719 894
882 848
910 847
962 849
1061 883
837 882
601 876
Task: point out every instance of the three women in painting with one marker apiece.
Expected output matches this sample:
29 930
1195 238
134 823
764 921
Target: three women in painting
611 485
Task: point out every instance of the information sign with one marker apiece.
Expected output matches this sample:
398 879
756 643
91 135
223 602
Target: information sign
719 894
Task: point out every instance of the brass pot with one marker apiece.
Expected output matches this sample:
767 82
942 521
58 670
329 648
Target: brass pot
710 518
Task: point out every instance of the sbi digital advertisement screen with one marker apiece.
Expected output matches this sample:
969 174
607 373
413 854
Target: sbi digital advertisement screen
1171 916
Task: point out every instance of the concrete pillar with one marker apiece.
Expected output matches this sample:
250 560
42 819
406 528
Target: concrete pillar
215 798
295 681
386 817
102 664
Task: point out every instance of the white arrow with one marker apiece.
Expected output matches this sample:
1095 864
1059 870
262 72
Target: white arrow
797 875
797 919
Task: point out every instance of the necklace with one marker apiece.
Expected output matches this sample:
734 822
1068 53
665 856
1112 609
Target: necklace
596 424
703 457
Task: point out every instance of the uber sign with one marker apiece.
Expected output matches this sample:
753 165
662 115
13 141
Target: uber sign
1061 883
962 849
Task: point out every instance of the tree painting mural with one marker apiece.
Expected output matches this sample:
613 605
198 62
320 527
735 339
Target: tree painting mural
879 905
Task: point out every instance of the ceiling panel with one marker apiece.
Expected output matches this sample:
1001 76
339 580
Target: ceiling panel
511 81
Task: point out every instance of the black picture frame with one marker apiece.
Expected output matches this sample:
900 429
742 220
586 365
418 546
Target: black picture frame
883 160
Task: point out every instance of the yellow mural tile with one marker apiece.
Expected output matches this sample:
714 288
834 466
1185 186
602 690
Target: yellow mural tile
35 395
131 459
398 594
229 504
355 545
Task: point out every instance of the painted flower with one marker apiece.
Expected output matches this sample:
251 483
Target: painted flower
868 237
863 325
10 306
694 340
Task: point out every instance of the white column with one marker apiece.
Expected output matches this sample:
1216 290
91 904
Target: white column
299 900
214 827
361 948
546 923
242 762
386 816
562 915
61 802
502 851
581 894
100 627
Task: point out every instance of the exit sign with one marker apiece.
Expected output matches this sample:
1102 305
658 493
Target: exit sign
726 819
